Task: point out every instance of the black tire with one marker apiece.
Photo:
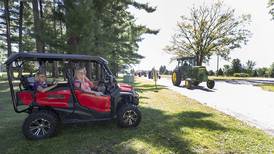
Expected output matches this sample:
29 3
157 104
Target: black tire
196 83
176 78
128 116
210 84
188 84
44 124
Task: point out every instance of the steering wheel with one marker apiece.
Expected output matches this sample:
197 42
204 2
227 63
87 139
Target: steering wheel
101 86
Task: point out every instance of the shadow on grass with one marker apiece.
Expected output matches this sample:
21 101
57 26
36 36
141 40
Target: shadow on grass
157 130
147 87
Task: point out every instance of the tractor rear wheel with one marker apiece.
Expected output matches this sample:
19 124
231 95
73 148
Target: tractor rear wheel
210 84
176 78
188 84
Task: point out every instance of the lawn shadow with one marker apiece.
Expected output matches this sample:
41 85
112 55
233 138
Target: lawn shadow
148 87
158 129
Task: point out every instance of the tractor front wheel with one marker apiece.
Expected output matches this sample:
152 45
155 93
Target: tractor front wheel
176 78
188 84
210 84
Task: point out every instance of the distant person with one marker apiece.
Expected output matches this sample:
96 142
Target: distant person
41 83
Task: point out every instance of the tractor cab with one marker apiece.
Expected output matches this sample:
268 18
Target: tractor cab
186 62
64 102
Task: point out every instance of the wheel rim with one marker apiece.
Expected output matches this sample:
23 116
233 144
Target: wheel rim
39 127
174 77
130 117
187 84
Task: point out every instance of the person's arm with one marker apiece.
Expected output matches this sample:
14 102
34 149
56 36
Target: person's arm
89 82
41 89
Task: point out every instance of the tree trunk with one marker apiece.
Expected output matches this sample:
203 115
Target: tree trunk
199 60
37 27
7 18
21 9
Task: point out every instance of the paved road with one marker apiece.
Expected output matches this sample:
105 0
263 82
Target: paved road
240 99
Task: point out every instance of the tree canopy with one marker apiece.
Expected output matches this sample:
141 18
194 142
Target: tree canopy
209 30
271 6
95 27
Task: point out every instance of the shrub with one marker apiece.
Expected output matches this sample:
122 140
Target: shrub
211 73
241 75
220 72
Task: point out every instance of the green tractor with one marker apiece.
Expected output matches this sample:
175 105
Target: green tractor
192 74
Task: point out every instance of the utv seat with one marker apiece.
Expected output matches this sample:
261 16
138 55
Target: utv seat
27 83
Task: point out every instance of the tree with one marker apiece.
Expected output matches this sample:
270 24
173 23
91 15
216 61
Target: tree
103 28
38 25
271 70
7 20
250 66
220 72
271 6
209 30
227 70
236 65
163 70
211 73
262 72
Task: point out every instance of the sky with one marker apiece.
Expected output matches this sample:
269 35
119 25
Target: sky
260 47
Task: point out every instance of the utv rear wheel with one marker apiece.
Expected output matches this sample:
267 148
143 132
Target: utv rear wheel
40 125
176 78
210 84
188 84
129 116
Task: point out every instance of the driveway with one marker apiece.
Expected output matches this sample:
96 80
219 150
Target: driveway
238 98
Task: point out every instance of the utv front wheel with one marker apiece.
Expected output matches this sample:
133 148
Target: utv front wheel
129 116
40 125
176 78
210 84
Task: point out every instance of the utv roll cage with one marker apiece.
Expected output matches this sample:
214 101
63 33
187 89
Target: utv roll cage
18 59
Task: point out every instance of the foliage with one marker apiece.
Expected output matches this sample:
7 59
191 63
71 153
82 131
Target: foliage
271 70
241 75
163 70
209 30
262 72
271 6
210 73
220 72
103 28
227 70
236 65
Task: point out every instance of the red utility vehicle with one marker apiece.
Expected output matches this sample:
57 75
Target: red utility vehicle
65 103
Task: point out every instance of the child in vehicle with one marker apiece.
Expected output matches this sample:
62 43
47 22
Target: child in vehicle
41 83
82 82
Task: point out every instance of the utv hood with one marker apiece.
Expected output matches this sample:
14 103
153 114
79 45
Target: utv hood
125 87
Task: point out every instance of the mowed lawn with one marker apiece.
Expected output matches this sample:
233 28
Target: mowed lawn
267 87
171 123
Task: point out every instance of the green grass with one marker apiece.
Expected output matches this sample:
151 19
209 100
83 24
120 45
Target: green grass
171 123
267 87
